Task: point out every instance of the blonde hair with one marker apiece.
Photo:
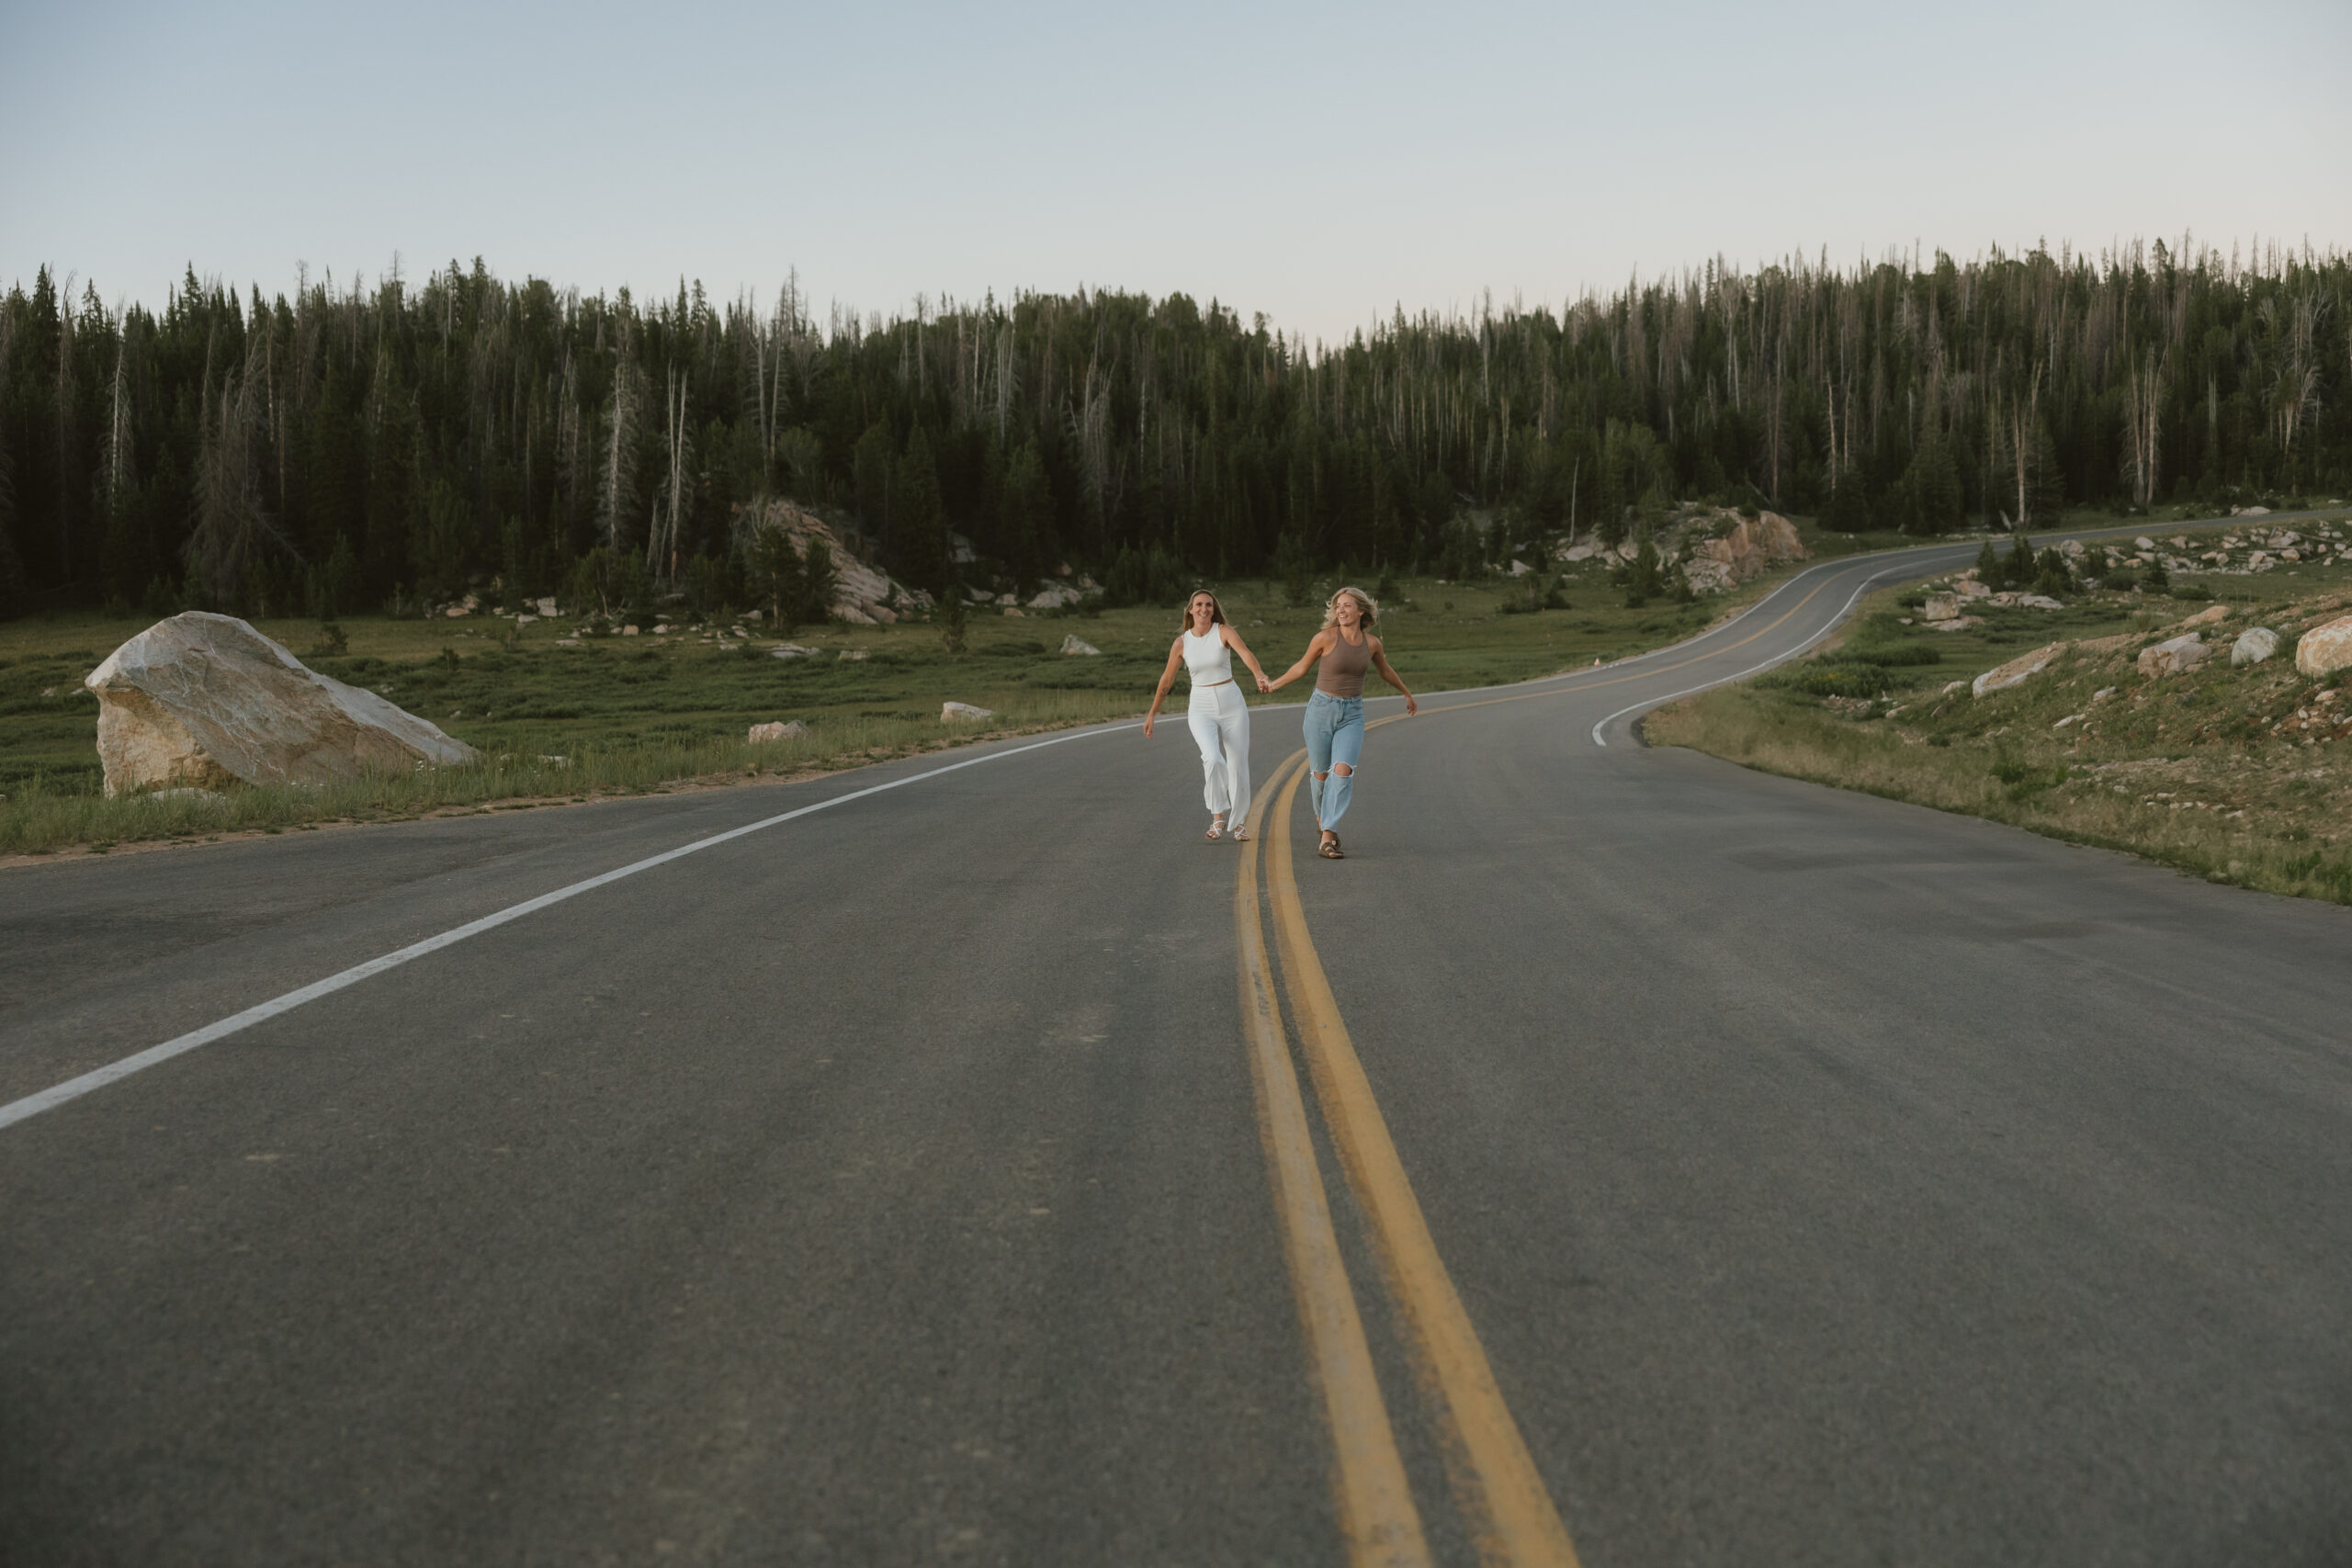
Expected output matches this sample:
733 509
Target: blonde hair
1365 602
1216 611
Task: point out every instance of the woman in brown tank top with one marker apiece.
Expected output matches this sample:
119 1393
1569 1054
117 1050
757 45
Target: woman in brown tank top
1334 726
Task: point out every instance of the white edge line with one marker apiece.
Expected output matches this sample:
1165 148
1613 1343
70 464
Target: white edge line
1834 621
98 1077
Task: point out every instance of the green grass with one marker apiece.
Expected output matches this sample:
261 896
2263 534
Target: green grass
637 714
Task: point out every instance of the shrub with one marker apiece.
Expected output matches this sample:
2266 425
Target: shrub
2024 779
1824 679
1891 655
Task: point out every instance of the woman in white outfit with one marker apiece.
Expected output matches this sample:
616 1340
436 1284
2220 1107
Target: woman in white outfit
1218 714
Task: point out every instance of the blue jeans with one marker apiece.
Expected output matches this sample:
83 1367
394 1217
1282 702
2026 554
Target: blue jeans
1334 737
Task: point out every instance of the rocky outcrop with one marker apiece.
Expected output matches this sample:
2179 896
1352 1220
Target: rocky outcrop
780 730
2253 645
948 711
1740 550
2324 649
2174 656
2017 670
203 700
1077 645
862 596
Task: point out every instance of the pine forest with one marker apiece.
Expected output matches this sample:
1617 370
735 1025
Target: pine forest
376 448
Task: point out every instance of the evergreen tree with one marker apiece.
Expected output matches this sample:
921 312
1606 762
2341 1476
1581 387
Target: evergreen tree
1933 484
917 539
1849 511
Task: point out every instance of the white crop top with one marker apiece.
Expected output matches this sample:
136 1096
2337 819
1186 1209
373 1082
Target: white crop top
1207 657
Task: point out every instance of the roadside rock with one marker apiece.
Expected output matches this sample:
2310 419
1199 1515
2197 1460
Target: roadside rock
2207 617
2017 670
203 700
2253 645
948 711
1957 623
1055 597
2094 645
2323 650
1941 608
2175 656
1077 645
782 730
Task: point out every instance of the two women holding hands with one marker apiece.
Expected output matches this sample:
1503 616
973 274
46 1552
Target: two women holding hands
1345 648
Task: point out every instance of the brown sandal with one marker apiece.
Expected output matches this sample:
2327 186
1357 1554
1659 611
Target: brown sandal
1329 849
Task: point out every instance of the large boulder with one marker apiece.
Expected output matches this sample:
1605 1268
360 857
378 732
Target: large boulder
2174 656
203 700
2253 645
2017 670
2325 649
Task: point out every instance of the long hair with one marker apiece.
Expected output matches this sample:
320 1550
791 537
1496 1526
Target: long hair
1365 602
1216 611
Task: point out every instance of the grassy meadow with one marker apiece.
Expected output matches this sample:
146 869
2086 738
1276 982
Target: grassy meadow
2226 772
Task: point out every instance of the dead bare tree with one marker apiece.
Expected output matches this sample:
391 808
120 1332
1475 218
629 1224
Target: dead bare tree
234 532
615 495
662 536
2143 394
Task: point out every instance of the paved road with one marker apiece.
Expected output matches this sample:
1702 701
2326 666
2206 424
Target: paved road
1798 1177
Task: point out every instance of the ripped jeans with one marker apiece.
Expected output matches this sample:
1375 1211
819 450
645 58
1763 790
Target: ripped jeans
1334 739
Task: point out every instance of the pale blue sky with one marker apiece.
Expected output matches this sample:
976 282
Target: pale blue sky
1318 163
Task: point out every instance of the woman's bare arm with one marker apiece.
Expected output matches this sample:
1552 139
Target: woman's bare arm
1233 640
1321 645
1167 679
1380 662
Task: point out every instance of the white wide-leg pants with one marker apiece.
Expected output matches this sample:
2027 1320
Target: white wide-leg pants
1219 716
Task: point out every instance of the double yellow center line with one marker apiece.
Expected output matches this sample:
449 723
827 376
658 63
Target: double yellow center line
1492 1477
1501 1495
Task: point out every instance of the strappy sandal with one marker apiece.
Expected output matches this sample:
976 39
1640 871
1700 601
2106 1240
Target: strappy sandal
1216 828
1240 835
1329 849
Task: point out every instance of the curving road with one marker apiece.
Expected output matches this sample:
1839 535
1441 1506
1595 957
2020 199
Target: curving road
1621 1157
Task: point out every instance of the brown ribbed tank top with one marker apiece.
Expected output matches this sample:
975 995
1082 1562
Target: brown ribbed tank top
1341 673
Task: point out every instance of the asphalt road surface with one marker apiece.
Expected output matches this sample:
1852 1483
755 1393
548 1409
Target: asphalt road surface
1620 1157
